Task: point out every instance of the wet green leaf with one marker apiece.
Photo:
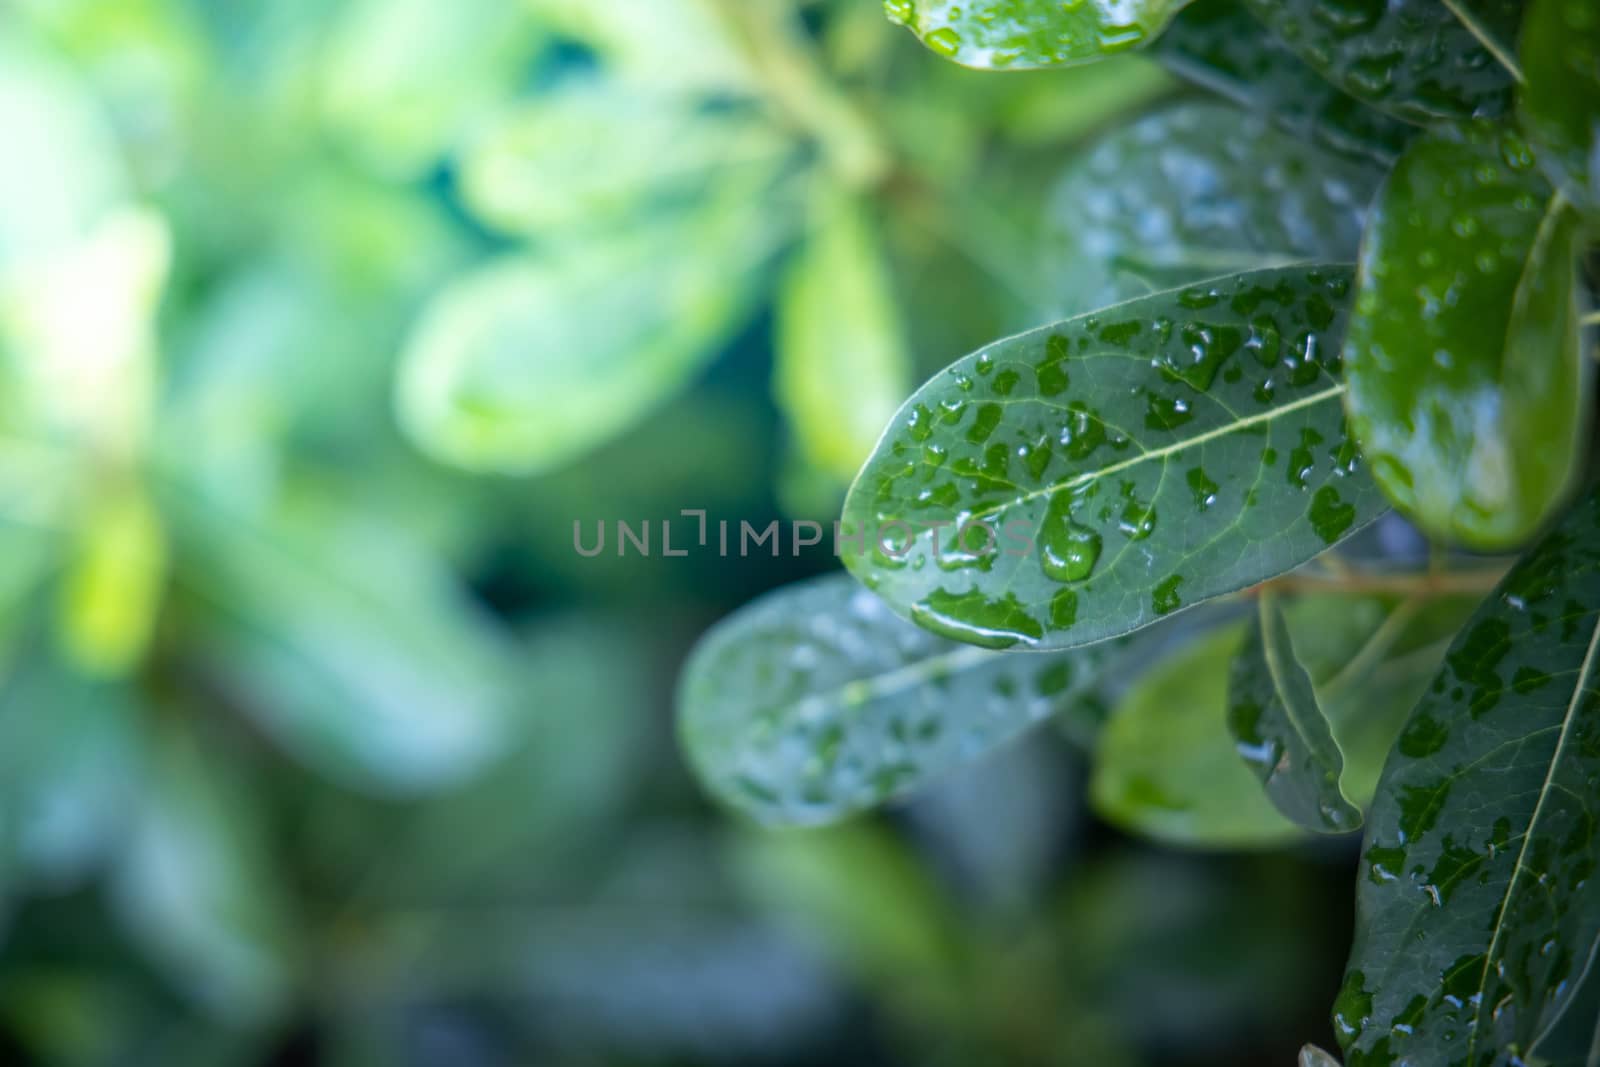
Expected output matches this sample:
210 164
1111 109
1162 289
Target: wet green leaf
1467 378
1193 192
1218 44
1312 1056
1091 477
817 701
1020 34
1560 104
1282 733
595 156
1477 907
1165 767
841 364
1417 59
348 643
531 361
1369 659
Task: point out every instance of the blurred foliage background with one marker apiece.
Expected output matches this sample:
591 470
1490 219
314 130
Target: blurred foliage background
321 321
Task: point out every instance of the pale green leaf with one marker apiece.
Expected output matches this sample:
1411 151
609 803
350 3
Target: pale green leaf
841 366
534 359
817 701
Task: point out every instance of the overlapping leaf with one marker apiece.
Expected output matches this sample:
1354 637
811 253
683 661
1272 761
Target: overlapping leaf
1467 380
1417 59
817 701
1019 34
1282 732
1560 103
1478 909
1218 44
841 364
1193 192
1085 479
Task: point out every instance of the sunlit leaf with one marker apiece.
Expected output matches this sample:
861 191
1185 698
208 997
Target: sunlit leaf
62 173
1193 192
404 78
1018 34
1416 59
841 366
1218 44
1282 732
1477 907
1091 477
115 573
349 645
195 885
816 701
1560 104
536 358
594 156
1467 378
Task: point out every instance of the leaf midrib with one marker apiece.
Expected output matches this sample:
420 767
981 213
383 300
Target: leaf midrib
1585 671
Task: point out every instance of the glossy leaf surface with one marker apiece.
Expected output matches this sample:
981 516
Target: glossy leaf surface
1560 104
1218 44
1114 468
1463 356
1196 191
1282 733
1477 906
816 701
1417 59
1019 34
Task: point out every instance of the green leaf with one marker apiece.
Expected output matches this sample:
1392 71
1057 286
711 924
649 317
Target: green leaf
1165 766
1419 60
533 360
1218 44
196 886
1560 103
1477 907
1128 464
1369 659
1467 378
348 643
655 45
403 79
1193 192
841 365
817 701
1021 34
1282 733
597 156
1312 1056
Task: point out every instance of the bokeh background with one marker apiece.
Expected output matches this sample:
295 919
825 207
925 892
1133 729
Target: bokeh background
321 322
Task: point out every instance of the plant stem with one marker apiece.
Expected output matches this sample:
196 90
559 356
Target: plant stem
1358 583
800 89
